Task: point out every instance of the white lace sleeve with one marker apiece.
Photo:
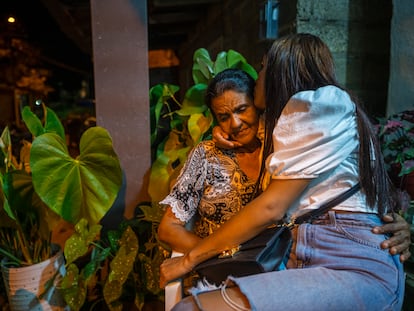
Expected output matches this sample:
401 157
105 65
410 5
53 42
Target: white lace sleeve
188 189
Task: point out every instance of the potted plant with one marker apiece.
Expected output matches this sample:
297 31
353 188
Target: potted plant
57 187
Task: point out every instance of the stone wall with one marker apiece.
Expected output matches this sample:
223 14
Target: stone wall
357 32
401 84
229 24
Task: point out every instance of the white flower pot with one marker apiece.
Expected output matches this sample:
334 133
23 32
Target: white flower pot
25 286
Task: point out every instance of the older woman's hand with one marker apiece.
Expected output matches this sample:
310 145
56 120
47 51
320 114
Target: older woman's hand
400 240
173 268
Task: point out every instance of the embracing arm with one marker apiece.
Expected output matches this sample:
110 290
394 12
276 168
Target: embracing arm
399 242
266 209
173 232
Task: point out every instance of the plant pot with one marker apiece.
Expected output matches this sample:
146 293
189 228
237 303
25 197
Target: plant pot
26 286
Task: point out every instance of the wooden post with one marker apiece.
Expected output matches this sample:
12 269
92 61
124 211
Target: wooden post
120 58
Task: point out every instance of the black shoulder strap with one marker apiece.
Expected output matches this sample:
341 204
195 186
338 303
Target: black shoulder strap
327 206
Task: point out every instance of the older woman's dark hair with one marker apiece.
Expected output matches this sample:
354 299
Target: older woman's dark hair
235 80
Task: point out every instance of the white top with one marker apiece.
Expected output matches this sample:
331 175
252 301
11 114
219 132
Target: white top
316 137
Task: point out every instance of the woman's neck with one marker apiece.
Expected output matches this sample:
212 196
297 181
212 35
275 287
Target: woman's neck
252 147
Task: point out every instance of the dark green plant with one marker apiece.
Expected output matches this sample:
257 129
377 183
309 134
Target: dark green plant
176 127
396 135
117 268
57 187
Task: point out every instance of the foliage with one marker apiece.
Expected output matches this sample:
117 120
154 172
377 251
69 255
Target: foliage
119 267
109 270
396 134
57 186
177 127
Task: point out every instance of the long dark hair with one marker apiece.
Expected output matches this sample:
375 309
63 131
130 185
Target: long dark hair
302 62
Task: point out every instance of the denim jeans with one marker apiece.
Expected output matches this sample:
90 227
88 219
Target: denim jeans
336 264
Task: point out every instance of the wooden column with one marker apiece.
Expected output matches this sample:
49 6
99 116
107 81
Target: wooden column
120 55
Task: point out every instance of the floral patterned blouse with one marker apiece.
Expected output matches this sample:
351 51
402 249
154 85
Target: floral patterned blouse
211 184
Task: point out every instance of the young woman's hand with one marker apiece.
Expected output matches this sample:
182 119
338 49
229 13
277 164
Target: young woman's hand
399 242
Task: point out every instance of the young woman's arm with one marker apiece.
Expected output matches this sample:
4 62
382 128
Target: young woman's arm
266 209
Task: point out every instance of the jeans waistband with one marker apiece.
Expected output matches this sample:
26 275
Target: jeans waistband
332 217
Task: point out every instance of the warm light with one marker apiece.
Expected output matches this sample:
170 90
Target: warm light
162 58
11 19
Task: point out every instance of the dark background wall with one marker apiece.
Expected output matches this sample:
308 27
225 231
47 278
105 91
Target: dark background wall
357 31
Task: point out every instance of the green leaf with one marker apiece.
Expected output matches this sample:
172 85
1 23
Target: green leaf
198 124
33 123
233 58
121 266
85 187
52 123
249 69
73 288
163 172
202 66
160 95
193 100
151 213
221 62
77 245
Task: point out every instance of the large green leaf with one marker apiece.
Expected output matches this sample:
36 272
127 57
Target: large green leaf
85 187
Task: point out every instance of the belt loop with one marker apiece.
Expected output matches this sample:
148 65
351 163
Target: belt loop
332 217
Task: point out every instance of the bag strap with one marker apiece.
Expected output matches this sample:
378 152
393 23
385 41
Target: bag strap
325 207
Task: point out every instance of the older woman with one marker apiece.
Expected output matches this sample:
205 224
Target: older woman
216 183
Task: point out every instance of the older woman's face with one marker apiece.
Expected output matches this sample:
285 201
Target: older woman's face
237 116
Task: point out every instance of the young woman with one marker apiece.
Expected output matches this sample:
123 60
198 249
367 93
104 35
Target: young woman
318 143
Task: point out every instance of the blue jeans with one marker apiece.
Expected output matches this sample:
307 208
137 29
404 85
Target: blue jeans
336 264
